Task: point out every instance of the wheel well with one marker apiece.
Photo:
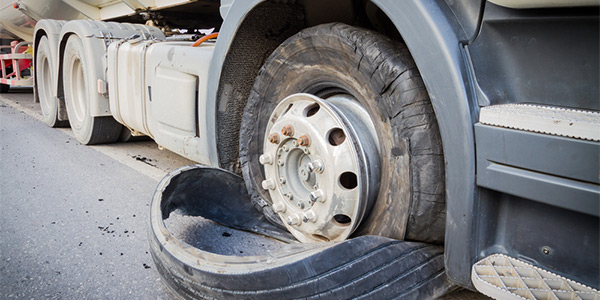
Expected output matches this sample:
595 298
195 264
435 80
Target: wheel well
264 28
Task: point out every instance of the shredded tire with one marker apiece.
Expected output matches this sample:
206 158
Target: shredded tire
366 267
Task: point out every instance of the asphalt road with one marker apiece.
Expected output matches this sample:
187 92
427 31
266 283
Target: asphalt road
73 218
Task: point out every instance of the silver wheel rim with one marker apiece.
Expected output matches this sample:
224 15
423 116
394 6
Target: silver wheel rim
45 86
78 89
321 163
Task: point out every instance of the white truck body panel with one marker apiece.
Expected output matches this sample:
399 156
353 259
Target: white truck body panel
159 89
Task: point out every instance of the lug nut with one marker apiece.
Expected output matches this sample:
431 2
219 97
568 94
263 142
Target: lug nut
279 207
304 141
301 205
317 195
287 130
282 180
315 166
309 216
265 159
268 184
280 162
290 196
274 138
294 220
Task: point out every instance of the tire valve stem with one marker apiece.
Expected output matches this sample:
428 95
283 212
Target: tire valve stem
274 138
304 141
287 130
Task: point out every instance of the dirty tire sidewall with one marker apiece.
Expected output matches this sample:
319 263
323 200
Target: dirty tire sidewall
78 91
382 76
45 82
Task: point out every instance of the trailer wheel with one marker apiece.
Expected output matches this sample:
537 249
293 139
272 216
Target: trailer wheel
371 130
45 81
86 128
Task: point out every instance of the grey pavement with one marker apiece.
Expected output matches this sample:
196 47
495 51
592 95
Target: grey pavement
72 220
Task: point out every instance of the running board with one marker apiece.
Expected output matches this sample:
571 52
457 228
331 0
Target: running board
571 123
503 277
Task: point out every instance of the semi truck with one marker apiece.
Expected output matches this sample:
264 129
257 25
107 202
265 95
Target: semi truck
372 148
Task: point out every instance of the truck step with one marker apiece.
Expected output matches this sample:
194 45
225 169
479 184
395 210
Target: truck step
503 277
571 123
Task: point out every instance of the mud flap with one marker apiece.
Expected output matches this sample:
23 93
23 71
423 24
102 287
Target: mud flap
209 242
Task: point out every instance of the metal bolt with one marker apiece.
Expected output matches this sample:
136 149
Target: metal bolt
265 159
282 180
546 250
274 138
287 130
304 140
315 166
295 143
285 148
280 162
290 196
301 205
309 216
268 184
294 220
279 207
317 195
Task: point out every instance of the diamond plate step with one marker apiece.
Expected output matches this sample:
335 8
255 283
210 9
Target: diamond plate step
572 123
503 277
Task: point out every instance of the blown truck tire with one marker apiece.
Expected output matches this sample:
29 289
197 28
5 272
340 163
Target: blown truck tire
367 267
351 103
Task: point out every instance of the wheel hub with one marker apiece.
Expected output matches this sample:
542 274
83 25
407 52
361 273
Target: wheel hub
321 163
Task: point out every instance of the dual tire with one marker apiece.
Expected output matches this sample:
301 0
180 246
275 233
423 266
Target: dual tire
78 92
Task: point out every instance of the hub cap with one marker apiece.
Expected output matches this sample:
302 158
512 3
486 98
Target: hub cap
321 163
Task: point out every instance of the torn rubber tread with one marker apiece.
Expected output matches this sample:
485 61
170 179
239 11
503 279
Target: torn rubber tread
382 76
368 267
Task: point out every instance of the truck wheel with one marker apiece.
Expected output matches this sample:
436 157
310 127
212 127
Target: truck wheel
45 82
86 128
357 100
4 88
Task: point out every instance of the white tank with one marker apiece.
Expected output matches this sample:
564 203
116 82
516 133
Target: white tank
18 18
